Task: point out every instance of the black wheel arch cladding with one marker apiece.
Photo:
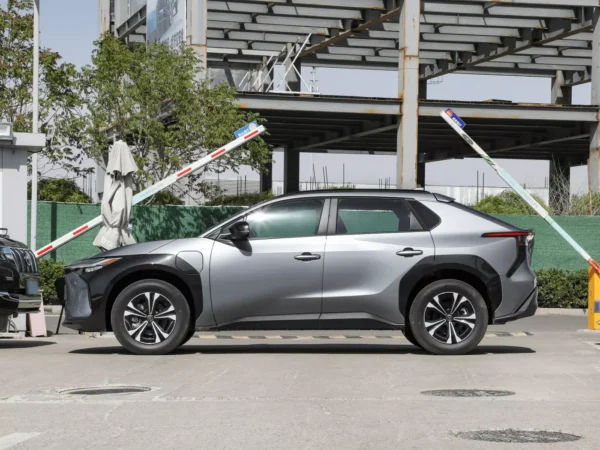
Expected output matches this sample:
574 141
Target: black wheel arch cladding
153 266
434 268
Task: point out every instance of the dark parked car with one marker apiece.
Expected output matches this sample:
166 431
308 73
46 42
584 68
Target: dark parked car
19 279
408 260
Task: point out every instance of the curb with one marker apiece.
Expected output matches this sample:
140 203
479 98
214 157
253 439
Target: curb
576 312
52 309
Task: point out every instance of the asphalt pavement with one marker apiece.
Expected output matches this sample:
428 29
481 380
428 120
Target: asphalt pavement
339 390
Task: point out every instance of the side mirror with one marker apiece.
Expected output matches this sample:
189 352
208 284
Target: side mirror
240 231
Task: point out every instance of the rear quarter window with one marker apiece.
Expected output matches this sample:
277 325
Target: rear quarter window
485 216
428 218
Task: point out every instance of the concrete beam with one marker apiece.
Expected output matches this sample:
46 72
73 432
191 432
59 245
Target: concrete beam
558 29
358 29
408 92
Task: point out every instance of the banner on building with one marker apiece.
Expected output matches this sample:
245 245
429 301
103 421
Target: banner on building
166 22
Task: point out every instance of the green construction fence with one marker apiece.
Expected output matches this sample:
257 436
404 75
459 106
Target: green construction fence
169 222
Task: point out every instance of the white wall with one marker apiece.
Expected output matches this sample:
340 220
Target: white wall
13 193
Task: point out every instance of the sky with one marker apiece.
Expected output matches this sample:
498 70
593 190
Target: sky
71 26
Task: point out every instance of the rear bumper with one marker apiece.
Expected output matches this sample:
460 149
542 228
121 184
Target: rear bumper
15 303
527 309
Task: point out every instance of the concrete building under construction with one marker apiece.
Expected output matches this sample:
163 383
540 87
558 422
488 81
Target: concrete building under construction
260 46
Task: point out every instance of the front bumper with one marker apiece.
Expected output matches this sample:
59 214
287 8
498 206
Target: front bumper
527 309
16 303
81 313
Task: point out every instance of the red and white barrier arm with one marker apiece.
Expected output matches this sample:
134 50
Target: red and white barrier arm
159 186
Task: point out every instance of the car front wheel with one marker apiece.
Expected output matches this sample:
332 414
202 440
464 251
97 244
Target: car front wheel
150 317
448 317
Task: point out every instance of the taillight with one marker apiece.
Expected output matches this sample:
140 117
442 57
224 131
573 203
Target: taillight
525 241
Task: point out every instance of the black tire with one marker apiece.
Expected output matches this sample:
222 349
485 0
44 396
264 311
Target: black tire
410 337
450 333
161 334
188 336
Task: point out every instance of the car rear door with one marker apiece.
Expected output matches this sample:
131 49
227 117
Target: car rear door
371 243
277 274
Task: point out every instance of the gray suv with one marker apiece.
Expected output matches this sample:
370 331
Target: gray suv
401 260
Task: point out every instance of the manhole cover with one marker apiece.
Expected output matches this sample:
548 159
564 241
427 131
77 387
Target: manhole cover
108 390
467 393
518 436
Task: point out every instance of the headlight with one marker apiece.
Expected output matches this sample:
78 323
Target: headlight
7 255
93 265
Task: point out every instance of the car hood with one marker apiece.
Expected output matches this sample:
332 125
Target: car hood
136 249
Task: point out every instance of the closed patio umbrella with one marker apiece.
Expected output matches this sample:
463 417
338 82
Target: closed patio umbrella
117 199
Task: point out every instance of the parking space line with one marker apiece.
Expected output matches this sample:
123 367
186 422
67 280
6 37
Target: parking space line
15 438
340 336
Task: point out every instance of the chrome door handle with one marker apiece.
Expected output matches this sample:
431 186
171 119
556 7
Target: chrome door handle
307 257
409 252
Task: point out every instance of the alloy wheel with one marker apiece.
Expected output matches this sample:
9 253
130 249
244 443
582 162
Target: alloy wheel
150 318
450 318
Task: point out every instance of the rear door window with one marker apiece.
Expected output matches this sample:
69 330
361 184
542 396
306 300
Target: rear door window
375 215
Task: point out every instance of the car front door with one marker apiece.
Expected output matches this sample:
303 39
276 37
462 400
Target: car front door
372 242
276 275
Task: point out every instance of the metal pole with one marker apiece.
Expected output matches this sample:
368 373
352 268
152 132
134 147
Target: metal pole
35 119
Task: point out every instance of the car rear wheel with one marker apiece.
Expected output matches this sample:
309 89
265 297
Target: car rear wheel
150 317
448 317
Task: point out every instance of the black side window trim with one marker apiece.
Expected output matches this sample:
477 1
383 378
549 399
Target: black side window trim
410 202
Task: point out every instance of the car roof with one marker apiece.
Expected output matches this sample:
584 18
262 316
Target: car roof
402 193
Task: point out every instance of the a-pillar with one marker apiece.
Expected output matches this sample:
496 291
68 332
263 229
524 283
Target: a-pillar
197 25
408 92
561 94
594 158
291 171
559 193
292 78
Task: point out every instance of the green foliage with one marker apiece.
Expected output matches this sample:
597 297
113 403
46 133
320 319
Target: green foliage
51 271
165 198
157 100
59 190
508 202
562 289
60 102
246 199
580 205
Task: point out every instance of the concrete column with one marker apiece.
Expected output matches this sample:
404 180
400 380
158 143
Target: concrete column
594 159
408 92
291 171
292 79
561 95
197 24
266 178
560 185
103 16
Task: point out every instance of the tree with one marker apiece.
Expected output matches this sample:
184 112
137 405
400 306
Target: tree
59 190
508 202
60 105
154 98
